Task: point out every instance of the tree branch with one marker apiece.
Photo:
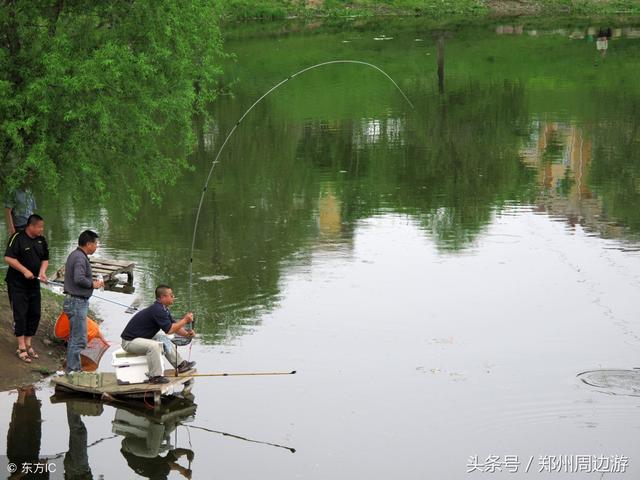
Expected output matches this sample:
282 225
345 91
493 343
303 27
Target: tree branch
55 14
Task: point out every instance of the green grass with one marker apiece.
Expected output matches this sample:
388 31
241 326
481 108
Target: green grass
239 10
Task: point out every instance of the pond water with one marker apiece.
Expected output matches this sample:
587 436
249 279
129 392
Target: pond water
437 276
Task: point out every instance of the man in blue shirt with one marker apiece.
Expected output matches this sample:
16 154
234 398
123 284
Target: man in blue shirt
145 335
19 205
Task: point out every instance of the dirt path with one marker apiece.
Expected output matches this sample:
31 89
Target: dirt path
14 372
513 7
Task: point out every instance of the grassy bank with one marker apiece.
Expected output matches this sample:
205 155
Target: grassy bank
14 372
236 10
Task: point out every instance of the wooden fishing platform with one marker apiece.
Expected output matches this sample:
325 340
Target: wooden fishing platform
110 271
111 390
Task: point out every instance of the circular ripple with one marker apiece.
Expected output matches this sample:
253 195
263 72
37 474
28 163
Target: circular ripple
615 382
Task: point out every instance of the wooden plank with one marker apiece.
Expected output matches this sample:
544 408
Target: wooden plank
111 386
109 269
104 270
117 263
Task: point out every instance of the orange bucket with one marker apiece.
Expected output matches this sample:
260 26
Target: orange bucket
61 328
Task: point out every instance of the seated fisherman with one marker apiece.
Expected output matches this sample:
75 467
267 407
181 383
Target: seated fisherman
145 335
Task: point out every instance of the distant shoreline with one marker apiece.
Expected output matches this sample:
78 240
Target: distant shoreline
249 10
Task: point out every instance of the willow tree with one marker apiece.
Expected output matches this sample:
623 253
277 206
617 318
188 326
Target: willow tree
97 96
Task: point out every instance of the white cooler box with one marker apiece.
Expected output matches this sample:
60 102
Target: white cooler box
130 368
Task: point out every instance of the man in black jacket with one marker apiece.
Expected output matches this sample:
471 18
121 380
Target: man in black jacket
27 255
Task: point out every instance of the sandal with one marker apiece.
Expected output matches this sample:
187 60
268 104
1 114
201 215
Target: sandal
23 355
32 353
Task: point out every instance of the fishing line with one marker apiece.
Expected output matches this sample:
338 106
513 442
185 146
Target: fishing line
189 436
130 308
61 454
215 160
225 434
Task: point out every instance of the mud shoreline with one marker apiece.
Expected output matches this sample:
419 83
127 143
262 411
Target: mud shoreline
13 371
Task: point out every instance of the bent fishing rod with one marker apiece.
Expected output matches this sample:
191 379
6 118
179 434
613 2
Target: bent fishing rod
215 160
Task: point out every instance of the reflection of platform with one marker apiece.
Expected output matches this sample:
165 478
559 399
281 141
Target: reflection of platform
145 433
174 409
139 391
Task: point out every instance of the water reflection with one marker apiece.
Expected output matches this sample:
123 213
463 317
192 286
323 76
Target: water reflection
147 446
76 460
562 154
149 441
337 147
145 434
24 435
374 131
602 43
589 32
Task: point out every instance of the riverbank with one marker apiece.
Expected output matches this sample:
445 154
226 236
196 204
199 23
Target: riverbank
238 10
14 372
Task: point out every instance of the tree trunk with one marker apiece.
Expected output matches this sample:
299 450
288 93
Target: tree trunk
440 45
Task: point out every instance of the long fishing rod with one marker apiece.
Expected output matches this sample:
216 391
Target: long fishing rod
215 160
130 308
248 374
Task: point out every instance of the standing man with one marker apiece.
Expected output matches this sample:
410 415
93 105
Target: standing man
145 335
78 286
18 206
27 255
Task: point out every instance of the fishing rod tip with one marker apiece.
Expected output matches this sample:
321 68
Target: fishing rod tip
292 372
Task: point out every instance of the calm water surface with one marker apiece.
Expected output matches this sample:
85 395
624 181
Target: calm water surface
438 277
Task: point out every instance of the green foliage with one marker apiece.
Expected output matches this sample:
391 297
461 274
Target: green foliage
615 175
279 9
101 94
585 7
248 9
408 7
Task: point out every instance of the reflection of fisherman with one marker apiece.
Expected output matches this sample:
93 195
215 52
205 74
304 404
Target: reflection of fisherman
157 467
602 43
25 429
145 440
76 460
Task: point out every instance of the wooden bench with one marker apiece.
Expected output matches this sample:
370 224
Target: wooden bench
110 271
